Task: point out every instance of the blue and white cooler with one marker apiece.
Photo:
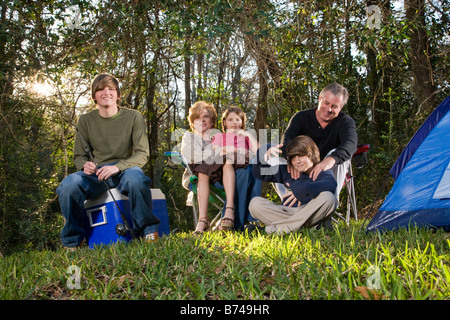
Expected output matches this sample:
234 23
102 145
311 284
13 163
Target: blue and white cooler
102 216
160 211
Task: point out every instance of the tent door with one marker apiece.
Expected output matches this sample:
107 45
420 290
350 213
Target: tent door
443 189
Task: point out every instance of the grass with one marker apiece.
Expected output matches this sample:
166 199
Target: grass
343 264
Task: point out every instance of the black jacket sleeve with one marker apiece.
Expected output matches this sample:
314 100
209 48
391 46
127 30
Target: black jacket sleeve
293 130
348 140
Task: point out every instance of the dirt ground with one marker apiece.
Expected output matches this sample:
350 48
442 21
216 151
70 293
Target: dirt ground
369 210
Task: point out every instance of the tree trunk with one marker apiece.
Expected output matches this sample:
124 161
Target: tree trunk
222 63
261 112
200 58
422 70
237 77
187 86
267 65
152 123
379 75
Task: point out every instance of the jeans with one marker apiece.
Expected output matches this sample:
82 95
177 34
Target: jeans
78 187
247 187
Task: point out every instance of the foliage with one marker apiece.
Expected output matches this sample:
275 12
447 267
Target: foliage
269 57
312 264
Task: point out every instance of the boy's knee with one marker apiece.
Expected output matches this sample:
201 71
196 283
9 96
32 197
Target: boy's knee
328 198
69 183
134 176
254 205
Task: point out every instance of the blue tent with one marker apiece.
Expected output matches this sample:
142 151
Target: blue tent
420 195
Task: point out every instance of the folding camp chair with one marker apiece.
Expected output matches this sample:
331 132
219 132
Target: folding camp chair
216 196
360 160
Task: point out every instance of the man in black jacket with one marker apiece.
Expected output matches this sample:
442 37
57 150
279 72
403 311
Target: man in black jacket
330 128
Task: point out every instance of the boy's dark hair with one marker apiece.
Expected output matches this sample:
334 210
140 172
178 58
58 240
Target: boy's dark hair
303 146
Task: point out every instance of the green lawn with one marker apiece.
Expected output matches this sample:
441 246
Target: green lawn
312 264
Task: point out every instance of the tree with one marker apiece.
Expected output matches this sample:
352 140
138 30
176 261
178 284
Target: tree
422 70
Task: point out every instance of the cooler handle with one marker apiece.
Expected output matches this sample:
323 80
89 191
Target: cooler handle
89 214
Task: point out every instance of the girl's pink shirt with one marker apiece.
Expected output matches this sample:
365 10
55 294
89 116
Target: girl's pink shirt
231 139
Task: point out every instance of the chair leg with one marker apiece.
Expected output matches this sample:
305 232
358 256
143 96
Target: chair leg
355 212
339 216
351 200
195 210
215 222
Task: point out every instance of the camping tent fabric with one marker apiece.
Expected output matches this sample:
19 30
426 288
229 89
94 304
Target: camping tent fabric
419 136
420 194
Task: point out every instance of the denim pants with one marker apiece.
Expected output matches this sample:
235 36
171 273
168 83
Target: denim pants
78 187
247 187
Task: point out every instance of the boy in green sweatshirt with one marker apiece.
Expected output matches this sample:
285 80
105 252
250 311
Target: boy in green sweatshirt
117 138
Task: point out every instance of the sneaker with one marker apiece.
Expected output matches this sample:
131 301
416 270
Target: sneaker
152 237
326 224
251 228
73 249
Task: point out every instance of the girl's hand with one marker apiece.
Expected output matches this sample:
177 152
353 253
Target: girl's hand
228 150
241 132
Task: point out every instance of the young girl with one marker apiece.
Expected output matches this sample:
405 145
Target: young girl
235 143
206 162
